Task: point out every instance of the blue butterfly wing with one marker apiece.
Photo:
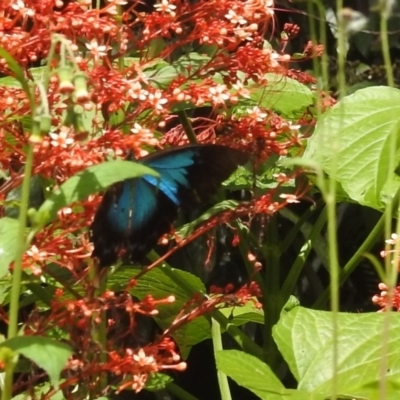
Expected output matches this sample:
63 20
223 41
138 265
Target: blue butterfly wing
129 221
137 201
192 173
135 213
173 169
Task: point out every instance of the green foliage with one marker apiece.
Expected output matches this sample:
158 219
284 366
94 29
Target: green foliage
354 150
8 242
161 285
45 352
251 373
353 141
158 381
285 95
305 339
91 180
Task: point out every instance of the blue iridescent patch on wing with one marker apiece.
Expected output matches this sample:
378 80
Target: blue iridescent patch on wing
145 203
134 206
173 173
173 160
118 213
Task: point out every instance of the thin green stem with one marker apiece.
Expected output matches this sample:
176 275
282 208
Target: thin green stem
330 199
217 344
180 393
17 271
320 69
391 279
299 222
297 267
385 45
187 126
100 332
47 72
359 254
272 300
21 246
244 249
391 260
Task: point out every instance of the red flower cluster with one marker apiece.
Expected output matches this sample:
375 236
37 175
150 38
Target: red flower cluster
111 79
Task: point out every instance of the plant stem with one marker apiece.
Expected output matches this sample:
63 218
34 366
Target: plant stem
272 300
359 254
17 272
391 259
217 344
187 126
311 236
179 392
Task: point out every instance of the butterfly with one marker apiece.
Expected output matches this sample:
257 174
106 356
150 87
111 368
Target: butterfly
135 213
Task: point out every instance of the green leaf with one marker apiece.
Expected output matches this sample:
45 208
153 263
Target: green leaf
155 47
185 230
8 243
19 75
48 354
160 285
42 391
190 64
164 76
9 81
305 339
193 62
38 73
284 95
360 128
13 199
157 381
91 180
241 315
253 374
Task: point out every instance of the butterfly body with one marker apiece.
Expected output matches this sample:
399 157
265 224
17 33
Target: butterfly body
135 213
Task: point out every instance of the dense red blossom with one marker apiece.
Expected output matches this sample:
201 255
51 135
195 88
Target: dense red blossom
389 298
105 94
385 300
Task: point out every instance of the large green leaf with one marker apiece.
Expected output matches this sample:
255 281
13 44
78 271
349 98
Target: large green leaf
284 95
356 136
253 374
46 353
159 283
8 243
92 180
305 339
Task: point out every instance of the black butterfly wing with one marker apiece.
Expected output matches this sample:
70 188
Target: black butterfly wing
194 172
135 213
117 231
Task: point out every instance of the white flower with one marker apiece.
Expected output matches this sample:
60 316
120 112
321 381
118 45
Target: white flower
96 50
165 7
61 139
234 18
